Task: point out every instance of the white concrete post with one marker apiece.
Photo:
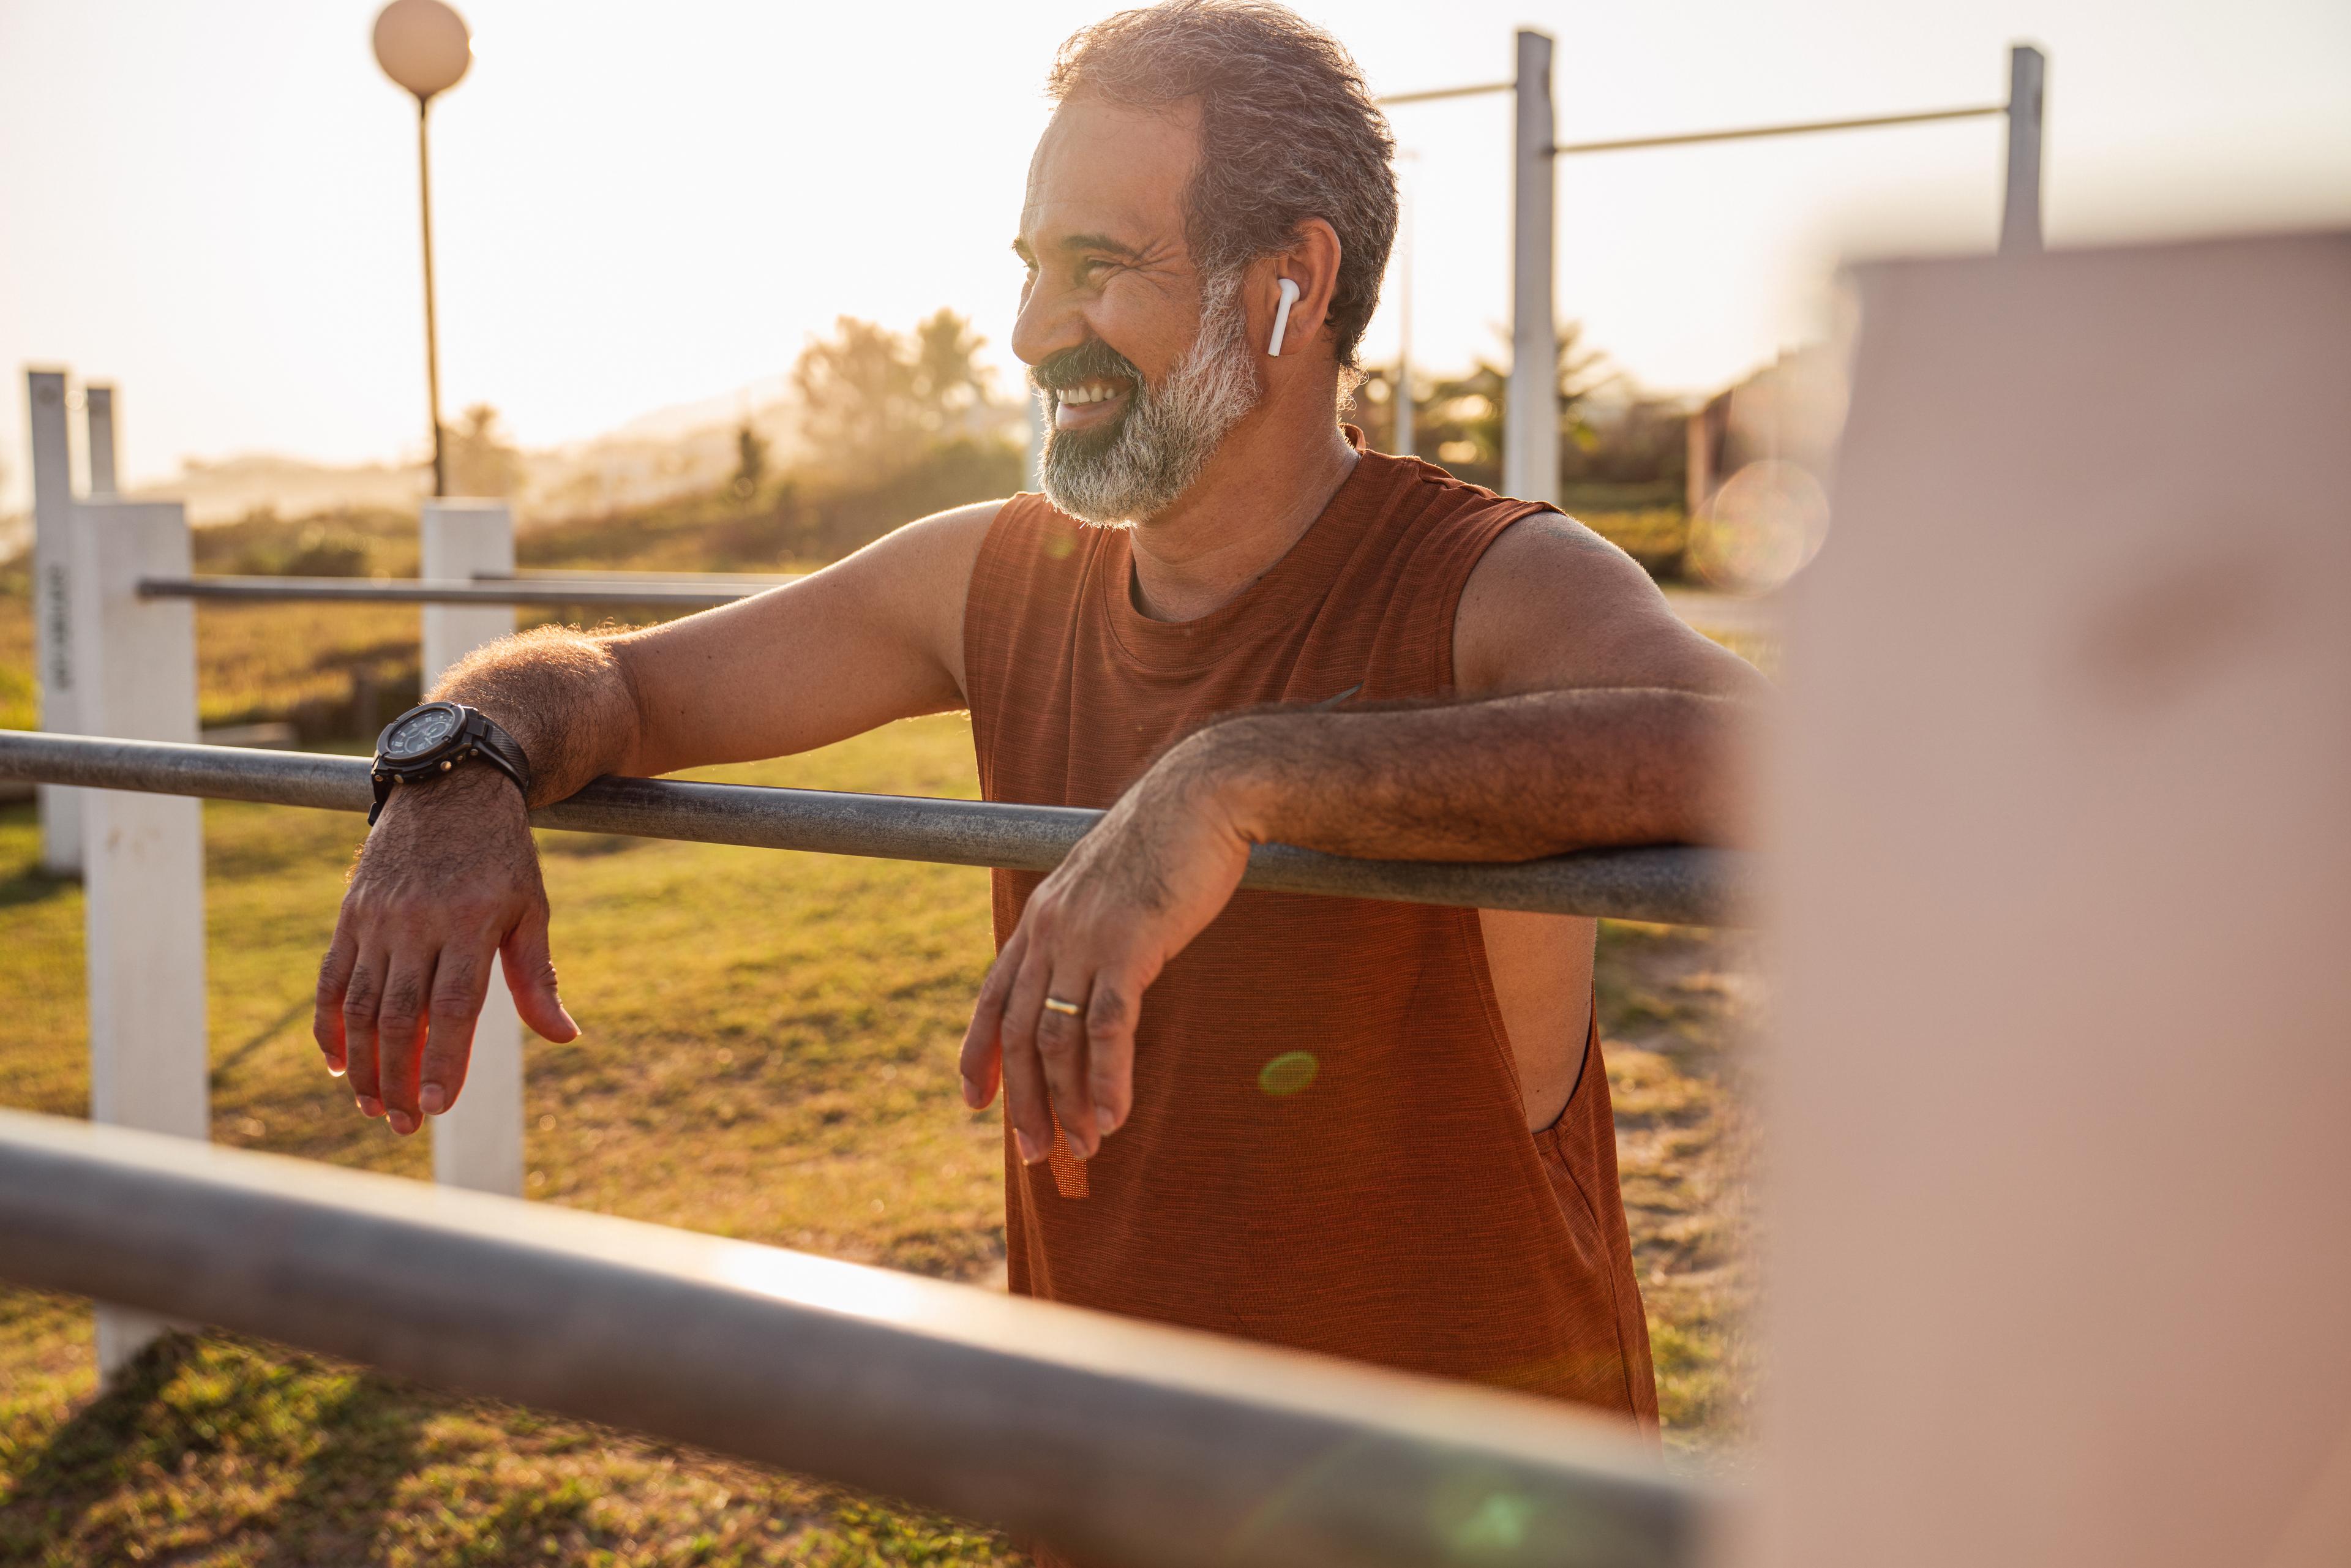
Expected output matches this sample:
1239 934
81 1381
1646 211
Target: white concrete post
143 858
2020 215
53 652
1035 470
1405 436
479 1143
98 402
1530 418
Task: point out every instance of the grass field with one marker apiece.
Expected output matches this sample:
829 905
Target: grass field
769 1054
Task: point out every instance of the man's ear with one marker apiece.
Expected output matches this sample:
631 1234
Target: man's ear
1310 261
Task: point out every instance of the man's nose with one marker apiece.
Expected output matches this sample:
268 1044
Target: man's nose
1047 324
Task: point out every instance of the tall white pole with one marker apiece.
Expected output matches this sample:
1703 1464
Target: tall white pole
1531 417
1035 459
53 650
1406 435
2019 216
143 858
479 1143
98 402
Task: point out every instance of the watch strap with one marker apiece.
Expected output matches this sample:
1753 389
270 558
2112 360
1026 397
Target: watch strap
499 749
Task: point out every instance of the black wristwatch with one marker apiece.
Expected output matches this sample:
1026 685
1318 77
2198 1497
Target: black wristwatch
429 740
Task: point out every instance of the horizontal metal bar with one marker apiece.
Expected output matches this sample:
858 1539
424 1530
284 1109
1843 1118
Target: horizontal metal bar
1687 138
433 590
750 579
1666 884
1433 94
1124 1440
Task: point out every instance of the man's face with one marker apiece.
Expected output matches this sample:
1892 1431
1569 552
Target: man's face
1139 360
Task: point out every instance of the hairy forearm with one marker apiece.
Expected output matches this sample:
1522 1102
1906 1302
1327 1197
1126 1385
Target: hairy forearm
565 697
1508 778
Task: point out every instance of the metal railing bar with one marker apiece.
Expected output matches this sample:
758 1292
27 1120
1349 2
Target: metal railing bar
433 590
1687 138
1139 1443
1433 94
1665 884
591 575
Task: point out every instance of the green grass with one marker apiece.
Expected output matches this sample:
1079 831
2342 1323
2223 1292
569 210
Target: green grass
769 1054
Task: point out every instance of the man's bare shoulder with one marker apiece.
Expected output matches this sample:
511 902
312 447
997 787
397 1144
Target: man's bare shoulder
924 564
1552 604
956 532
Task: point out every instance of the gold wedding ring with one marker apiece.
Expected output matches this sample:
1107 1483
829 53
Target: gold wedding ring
1056 1004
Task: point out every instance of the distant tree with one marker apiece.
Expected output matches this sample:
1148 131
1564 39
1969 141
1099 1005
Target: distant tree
750 461
874 401
481 460
858 407
948 378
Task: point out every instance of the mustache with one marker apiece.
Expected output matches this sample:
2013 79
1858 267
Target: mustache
1091 361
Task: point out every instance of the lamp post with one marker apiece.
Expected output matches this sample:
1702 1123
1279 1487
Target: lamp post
422 44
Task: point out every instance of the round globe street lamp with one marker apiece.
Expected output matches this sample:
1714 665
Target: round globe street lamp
422 44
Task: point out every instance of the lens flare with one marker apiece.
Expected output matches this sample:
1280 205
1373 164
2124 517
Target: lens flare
1287 1073
1760 528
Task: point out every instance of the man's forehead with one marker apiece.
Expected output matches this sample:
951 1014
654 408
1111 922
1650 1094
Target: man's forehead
1104 171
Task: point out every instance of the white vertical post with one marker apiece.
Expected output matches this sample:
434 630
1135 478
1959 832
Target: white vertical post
1036 459
1405 436
143 858
2020 214
1531 417
477 1143
53 652
98 402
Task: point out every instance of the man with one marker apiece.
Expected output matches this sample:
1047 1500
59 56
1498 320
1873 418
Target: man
1378 1130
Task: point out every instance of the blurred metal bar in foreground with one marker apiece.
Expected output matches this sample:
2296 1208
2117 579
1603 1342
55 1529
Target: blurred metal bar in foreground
1675 886
1143 1444
428 590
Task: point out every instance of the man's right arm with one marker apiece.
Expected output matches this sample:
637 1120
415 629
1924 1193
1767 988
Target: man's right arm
448 881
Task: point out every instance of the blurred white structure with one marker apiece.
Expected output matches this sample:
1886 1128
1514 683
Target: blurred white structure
2060 1223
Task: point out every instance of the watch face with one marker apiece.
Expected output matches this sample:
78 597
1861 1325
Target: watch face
420 732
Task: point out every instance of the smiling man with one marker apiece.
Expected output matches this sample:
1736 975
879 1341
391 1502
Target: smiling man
1376 1130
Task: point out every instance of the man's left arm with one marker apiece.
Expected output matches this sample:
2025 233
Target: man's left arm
1588 715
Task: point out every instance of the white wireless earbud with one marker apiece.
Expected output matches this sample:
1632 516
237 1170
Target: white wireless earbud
1281 317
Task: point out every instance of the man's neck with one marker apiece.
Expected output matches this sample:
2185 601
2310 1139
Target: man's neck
1274 476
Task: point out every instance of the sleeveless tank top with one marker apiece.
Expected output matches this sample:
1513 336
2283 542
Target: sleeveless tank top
1327 1148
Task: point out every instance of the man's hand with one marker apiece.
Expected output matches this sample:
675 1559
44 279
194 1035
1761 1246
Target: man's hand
447 880
1149 876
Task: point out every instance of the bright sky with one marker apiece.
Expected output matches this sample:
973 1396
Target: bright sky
639 205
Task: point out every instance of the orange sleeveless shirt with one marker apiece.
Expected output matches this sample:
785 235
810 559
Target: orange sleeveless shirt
1327 1148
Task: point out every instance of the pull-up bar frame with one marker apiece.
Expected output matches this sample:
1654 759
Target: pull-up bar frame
1530 402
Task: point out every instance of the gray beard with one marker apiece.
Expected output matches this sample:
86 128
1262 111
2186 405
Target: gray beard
1168 433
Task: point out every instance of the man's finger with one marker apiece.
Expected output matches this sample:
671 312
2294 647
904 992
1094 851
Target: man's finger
982 1058
400 1037
461 980
1027 1105
1060 1033
530 975
334 978
1111 1010
362 996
